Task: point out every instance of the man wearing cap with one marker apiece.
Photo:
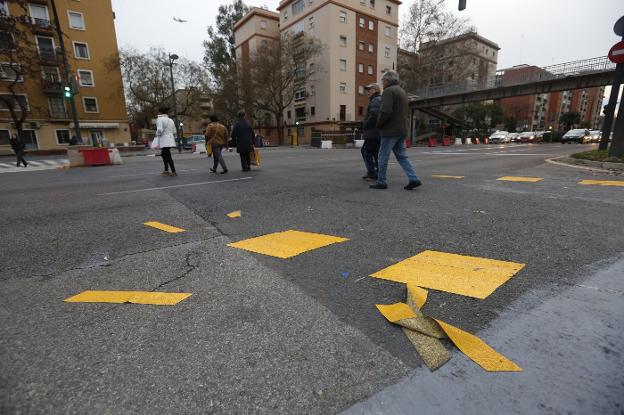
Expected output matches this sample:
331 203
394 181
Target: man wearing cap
370 133
392 124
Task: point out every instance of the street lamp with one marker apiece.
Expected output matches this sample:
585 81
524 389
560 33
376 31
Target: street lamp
172 58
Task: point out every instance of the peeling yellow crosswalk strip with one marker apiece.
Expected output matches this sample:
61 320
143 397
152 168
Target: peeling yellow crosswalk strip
235 214
457 274
520 179
416 296
396 312
603 182
479 351
164 227
134 297
287 244
444 176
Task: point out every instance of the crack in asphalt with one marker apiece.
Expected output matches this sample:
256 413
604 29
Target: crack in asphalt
190 268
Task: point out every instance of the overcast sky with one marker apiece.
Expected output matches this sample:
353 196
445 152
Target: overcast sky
540 32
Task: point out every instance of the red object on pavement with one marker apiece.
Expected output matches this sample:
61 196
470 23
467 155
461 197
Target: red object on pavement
486 140
96 156
616 54
433 142
408 142
446 141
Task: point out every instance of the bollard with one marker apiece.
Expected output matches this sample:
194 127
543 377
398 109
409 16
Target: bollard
458 141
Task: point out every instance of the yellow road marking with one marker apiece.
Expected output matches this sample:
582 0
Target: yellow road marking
396 312
520 179
479 351
286 244
416 296
235 214
444 176
458 274
134 297
603 182
164 227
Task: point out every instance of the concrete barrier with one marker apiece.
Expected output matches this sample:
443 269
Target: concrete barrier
326 144
359 143
200 148
115 157
458 141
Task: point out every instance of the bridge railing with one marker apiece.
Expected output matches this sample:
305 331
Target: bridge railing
530 75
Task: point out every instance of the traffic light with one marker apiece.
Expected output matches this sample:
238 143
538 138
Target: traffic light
68 92
462 5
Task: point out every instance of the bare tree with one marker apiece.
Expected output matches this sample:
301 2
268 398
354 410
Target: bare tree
278 69
430 20
18 62
148 84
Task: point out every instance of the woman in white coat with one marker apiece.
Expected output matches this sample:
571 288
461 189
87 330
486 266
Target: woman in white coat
165 134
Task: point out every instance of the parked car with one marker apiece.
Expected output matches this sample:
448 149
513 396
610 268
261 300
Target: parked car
500 137
512 137
595 136
578 135
526 137
188 142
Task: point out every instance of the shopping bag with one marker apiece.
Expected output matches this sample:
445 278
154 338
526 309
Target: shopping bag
209 150
255 157
155 144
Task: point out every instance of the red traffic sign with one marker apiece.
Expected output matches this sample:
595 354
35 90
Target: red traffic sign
616 54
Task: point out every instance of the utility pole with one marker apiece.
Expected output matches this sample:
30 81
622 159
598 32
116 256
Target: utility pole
172 58
68 75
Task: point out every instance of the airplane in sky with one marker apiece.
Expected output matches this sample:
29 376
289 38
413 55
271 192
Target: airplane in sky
179 20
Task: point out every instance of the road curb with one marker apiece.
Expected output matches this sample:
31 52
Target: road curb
563 161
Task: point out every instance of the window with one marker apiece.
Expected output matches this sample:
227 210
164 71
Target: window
4 11
312 68
297 7
5 135
342 87
51 73
300 94
311 22
371 48
371 25
96 136
361 68
298 27
10 72
90 104
285 14
343 40
29 137
81 50
39 14
86 77
263 24
388 10
22 101
361 46
7 41
362 22
342 16
45 47
313 111
387 52
371 69
361 90
56 105
264 43
343 64
361 111
372 4
343 113
288 114
388 31
312 90
76 20
62 137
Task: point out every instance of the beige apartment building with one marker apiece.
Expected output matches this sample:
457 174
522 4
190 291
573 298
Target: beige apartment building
359 39
91 43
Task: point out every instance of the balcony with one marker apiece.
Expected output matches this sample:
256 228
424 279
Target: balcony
42 26
49 56
51 87
58 115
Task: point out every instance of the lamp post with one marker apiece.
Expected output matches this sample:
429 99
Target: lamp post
172 58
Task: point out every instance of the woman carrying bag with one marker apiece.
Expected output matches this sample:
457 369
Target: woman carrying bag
165 140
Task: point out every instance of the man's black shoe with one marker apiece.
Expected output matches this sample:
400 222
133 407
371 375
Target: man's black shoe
413 185
224 171
378 186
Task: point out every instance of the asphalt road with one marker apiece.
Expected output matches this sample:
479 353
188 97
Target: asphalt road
266 335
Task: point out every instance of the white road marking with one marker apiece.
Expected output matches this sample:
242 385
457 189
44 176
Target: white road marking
173 187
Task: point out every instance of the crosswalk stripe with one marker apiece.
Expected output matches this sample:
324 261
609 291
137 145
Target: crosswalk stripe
520 179
603 182
35 163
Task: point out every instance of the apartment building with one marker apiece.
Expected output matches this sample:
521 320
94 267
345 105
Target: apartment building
91 44
359 39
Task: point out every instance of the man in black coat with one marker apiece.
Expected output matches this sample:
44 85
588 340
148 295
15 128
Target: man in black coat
243 138
18 147
370 132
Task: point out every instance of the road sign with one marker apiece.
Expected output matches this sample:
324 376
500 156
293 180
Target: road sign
616 54
619 27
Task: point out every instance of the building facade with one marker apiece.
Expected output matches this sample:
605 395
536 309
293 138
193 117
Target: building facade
359 39
91 47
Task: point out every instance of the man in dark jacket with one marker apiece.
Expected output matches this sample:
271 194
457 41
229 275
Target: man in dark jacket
370 132
243 137
18 147
392 124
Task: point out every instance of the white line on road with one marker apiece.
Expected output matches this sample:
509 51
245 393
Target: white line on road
174 186
440 153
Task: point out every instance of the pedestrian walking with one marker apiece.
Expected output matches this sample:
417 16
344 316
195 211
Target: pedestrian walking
18 146
370 132
165 134
243 137
217 138
392 124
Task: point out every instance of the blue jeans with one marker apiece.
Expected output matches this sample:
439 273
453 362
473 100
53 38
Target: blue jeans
396 144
